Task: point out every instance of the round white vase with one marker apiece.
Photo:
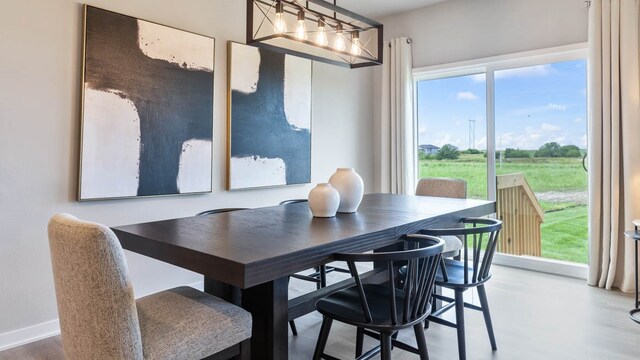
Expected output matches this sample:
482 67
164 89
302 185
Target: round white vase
350 187
324 200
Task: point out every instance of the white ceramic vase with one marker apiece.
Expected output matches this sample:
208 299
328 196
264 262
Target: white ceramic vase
324 200
350 187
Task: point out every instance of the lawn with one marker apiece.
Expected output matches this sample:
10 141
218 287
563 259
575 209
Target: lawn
561 183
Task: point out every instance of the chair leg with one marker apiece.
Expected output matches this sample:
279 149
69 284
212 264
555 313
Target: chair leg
322 338
482 294
462 352
245 350
359 341
435 303
294 329
385 346
421 341
323 276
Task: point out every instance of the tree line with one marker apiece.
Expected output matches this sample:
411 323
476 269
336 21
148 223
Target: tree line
550 149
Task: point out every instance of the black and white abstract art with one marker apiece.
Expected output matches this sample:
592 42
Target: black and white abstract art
147 122
269 118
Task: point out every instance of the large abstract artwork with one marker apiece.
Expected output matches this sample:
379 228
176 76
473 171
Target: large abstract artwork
269 118
147 123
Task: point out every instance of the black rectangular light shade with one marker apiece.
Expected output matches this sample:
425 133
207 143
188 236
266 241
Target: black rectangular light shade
350 40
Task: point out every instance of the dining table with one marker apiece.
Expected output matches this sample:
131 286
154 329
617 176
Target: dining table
246 256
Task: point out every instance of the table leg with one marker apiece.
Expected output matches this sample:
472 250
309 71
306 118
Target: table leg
268 304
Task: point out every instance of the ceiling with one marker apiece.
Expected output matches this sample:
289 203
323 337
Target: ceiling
378 8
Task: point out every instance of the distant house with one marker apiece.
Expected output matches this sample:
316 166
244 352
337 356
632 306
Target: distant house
428 149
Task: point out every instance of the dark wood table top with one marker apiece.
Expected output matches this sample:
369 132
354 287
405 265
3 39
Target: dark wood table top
249 247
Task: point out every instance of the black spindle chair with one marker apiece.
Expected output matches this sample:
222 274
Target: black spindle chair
473 270
218 211
319 276
381 311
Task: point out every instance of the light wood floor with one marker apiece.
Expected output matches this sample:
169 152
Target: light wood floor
536 316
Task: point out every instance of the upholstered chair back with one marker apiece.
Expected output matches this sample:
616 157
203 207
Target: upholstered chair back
96 304
442 187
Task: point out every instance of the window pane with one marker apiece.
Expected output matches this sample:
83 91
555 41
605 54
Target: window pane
541 138
452 130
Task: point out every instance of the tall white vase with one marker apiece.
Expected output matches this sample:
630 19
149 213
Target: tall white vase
324 200
350 187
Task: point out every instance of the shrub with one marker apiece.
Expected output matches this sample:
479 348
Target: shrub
551 149
448 152
510 153
472 152
570 151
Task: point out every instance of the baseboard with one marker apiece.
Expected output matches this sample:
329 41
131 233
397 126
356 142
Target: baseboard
44 330
29 334
549 266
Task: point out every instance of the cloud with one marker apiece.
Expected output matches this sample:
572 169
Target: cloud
524 72
558 107
481 144
577 120
528 111
466 95
444 138
549 127
422 129
479 77
533 138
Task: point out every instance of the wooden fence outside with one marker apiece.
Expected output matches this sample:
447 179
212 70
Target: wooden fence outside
521 215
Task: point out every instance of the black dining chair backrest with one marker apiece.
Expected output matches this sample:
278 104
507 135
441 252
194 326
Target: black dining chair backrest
293 201
218 211
422 256
480 241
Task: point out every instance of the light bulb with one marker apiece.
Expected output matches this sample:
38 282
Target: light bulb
339 44
279 25
321 34
355 44
301 30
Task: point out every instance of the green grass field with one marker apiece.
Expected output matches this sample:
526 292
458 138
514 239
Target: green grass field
562 182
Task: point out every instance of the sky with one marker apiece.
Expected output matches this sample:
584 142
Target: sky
533 105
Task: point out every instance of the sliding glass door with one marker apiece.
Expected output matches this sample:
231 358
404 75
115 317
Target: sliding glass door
516 131
541 135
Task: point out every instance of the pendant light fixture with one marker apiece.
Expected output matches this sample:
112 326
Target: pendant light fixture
279 25
301 29
321 33
340 43
315 29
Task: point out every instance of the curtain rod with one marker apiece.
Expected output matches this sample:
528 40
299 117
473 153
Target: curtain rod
409 41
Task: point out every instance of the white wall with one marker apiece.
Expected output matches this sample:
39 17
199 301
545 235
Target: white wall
459 30
40 69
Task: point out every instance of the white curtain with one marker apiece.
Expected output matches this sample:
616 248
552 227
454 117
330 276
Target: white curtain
398 143
614 140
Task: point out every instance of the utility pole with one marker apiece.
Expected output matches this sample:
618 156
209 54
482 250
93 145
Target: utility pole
472 134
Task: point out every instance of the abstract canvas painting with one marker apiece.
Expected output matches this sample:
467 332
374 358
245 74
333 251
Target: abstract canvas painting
269 118
147 118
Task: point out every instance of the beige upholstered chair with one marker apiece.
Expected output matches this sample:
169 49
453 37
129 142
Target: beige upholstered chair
101 319
444 187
